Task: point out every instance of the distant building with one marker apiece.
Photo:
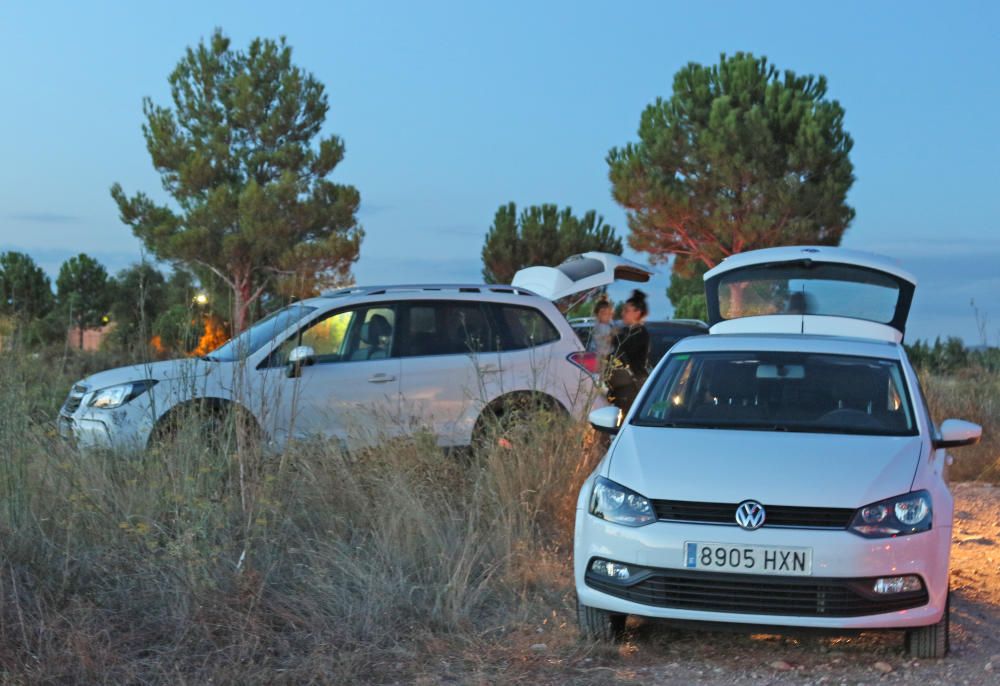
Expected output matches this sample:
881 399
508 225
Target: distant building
92 338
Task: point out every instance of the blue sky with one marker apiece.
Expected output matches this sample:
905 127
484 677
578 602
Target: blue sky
450 109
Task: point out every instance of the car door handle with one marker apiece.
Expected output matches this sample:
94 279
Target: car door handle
488 368
381 378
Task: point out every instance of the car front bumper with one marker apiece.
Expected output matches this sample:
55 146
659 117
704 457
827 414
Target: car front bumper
124 428
842 562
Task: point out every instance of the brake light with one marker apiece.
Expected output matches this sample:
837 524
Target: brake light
588 362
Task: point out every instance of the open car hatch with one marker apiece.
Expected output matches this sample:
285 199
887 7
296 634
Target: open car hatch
580 274
810 289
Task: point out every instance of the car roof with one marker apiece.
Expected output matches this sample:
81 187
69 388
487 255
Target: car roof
842 345
433 291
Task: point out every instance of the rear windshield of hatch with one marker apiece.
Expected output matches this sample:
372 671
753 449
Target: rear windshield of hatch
817 288
780 391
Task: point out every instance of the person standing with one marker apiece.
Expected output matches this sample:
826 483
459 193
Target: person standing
602 332
629 361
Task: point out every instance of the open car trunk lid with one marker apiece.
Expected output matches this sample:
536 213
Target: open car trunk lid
810 289
579 274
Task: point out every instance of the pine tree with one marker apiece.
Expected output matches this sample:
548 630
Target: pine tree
541 235
240 152
738 157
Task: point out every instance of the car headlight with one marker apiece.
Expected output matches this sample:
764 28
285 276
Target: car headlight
899 516
116 396
620 505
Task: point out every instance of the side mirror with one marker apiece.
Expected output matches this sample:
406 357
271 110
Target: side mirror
300 356
607 419
955 433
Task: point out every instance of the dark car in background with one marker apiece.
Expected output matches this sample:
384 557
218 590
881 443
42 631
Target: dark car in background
662 335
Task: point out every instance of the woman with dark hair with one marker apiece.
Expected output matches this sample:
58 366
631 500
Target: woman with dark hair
630 353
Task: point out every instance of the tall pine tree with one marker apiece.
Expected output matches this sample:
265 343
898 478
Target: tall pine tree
541 235
240 152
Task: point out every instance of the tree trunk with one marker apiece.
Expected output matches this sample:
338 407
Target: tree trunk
736 300
241 304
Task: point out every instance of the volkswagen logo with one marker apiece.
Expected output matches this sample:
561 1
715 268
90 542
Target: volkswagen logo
750 515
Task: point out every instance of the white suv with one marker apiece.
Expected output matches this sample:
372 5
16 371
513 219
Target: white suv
782 470
360 365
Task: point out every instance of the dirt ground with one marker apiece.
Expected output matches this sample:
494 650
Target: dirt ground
657 654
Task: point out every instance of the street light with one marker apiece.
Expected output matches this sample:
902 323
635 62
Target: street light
201 299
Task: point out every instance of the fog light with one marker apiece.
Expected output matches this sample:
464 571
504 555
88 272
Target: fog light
610 569
898 584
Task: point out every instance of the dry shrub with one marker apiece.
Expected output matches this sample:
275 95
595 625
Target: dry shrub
972 394
217 561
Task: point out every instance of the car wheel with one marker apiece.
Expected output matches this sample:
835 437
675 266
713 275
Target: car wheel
599 625
206 426
506 422
931 641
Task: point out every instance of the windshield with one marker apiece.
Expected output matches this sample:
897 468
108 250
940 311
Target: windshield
817 288
260 334
780 391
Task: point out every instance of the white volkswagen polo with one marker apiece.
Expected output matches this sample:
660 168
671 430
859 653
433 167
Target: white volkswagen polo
782 470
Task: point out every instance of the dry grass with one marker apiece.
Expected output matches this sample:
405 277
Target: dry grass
972 394
201 563
217 563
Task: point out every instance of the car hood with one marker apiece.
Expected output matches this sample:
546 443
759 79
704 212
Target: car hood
776 468
160 371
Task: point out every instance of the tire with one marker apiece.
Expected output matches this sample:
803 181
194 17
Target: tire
504 421
928 642
599 625
212 424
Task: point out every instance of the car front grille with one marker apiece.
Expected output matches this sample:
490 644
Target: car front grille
74 399
755 594
776 515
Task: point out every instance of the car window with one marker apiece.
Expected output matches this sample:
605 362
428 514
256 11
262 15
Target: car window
358 334
327 336
525 327
780 391
371 334
446 328
260 334
821 289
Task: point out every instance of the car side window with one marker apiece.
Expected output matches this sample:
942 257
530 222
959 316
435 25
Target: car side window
371 334
327 336
446 328
362 333
525 327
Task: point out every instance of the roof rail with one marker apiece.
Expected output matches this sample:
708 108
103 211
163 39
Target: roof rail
454 287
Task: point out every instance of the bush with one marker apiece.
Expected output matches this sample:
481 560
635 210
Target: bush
972 394
219 562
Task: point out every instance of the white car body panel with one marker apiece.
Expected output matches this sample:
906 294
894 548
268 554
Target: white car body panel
809 324
765 466
553 283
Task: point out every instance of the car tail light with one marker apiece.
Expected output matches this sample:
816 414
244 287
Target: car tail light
588 362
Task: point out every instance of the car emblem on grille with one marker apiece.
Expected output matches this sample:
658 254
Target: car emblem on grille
750 515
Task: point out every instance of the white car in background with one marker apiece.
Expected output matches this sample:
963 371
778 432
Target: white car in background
360 365
783 470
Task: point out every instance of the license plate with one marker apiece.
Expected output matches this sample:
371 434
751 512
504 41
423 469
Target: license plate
748 559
